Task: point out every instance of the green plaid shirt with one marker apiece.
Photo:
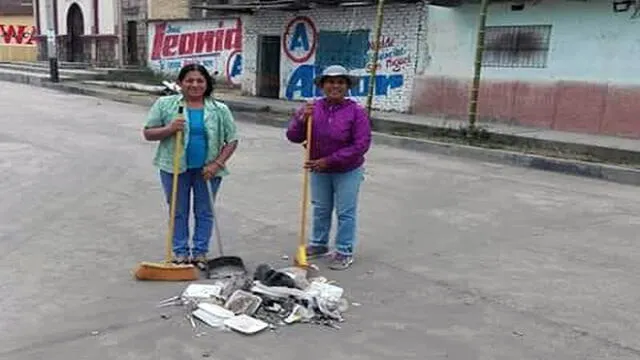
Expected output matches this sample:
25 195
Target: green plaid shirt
219 125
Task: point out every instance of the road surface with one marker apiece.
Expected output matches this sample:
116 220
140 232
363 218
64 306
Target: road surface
457 259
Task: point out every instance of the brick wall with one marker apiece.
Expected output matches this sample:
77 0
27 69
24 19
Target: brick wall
106 51
222 52
402 34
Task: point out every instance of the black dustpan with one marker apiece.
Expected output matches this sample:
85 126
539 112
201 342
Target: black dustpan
222 266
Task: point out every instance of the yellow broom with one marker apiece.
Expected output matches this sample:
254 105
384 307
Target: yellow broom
168 271
301 255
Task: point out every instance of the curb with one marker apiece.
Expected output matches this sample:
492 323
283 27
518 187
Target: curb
611 173
601 171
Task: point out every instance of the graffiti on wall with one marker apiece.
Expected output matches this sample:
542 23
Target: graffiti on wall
21 35
300 39
309 51
217 45
391 58
300 84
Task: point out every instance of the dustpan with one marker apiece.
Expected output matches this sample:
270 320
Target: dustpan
222 266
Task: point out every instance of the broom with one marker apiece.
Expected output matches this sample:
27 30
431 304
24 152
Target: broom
168 271
301 255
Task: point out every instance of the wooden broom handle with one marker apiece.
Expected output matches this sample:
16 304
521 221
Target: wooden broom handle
305 184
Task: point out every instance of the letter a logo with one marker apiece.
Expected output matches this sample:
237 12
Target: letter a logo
299 38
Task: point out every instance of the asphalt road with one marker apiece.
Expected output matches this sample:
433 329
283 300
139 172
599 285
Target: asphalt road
457 260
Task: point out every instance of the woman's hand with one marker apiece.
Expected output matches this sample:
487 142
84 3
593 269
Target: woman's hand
210 171
316 165
176 125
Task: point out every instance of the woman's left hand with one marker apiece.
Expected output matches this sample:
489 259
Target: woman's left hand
316 165
210 171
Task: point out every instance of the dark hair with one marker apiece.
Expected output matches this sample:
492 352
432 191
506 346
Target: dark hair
203 71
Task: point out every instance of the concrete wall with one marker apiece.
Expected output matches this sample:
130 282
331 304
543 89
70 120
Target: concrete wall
107 17
306 47
215 43
135 10
168 9
590 83
17 38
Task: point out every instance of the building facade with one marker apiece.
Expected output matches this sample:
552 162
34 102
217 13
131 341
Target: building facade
134 16
559 65
101 33
85 31
277 53
17 31
285 50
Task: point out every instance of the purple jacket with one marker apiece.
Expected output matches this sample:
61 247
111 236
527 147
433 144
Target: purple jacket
341 133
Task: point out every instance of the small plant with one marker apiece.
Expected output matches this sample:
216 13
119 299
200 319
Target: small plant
474 134
142 75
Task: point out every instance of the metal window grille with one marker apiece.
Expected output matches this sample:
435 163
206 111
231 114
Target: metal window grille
516 46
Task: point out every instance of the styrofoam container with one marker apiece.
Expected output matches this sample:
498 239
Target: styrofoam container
245 324
212 315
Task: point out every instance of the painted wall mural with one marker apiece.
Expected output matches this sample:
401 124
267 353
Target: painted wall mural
307 50
18 41
17 35
216 44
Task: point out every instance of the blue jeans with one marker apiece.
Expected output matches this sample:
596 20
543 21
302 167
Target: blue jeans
339 191
187 181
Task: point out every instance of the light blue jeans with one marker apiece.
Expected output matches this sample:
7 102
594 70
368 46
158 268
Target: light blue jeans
188 181
337 191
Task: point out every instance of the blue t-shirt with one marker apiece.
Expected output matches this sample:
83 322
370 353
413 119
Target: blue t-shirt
197 149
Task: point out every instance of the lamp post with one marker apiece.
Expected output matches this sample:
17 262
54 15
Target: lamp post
51 44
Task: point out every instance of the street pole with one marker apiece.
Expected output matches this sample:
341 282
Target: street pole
121 52
374 56
51 44
475 87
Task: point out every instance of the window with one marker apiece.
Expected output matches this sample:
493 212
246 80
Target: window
346 48
516 46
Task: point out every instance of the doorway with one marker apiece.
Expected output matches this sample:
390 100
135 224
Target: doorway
268 81
75 30
132 42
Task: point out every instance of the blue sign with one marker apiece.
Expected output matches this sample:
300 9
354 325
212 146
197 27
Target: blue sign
301 82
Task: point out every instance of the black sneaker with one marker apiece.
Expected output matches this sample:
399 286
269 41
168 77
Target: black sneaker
199 259
180 260
341 262
314 252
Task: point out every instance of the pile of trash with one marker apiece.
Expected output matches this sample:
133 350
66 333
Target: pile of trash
271 299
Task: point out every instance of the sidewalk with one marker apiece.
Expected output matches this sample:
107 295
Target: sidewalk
612 149
386 125
609 142
609 148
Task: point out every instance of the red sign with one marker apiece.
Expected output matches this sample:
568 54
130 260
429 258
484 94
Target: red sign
17 34
300 39
169 41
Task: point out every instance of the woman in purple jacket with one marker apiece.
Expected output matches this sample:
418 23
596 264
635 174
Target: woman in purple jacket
341 135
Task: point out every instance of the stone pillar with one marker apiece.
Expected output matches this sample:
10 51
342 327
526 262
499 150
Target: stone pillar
106 51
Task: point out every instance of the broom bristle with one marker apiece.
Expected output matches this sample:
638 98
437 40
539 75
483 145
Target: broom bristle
166 272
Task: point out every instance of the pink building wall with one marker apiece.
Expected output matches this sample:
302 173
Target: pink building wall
591 83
